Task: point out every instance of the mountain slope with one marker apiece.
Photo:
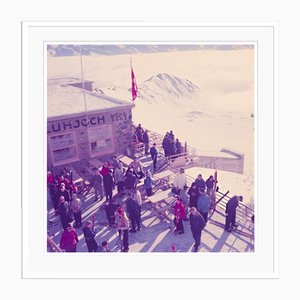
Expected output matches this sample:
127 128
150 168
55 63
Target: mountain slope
160 88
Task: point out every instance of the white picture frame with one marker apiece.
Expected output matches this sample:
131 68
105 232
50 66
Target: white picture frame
37 263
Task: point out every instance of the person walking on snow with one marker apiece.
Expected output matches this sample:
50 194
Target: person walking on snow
154 153
148 182
179 213
180 180
197 225
203 204
230 212
69 239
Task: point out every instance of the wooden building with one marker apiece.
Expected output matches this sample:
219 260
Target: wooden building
79 130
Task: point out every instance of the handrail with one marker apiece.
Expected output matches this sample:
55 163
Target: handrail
190 153
53 245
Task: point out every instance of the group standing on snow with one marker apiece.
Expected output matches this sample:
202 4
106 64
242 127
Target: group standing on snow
114 182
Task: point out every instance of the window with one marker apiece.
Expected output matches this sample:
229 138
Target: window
101 140
63 148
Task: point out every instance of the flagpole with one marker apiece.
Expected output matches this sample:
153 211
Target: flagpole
83 88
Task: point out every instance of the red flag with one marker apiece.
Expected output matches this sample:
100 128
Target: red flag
134 88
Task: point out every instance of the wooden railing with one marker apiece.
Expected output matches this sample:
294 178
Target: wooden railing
54 247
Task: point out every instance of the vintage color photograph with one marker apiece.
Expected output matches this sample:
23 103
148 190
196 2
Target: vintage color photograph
150 148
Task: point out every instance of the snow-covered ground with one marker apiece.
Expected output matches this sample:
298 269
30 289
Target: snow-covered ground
205 96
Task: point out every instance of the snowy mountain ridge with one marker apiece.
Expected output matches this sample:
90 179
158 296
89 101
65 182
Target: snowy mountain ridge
159 88
74 50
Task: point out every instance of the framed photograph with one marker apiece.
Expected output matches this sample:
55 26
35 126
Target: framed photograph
151 145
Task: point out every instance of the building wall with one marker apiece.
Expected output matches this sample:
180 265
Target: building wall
120 121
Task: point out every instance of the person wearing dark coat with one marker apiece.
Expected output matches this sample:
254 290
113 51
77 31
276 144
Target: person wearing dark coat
89 236
133 214
63 192
63 212
130 180
139 133
146 141
108 183
54 194
230 212
166 144
172 147
154 153
96 182
110 210
200 183
193 192
197 225
171 135
178 146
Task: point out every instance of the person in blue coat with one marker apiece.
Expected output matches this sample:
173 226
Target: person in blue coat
203 204
148 182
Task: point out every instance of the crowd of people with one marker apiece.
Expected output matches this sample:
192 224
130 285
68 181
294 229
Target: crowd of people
192 203
172 146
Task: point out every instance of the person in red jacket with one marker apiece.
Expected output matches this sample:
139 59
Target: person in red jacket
69 239
105 169
179 213
50 178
